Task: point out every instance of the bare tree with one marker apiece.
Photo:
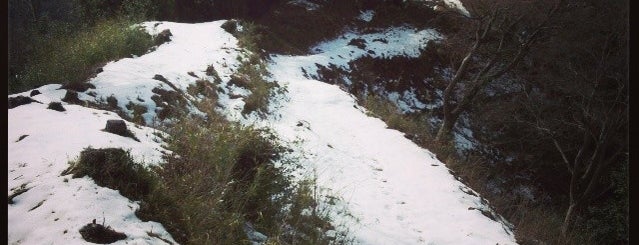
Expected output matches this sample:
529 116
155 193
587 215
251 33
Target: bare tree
600 123
588 124
503 34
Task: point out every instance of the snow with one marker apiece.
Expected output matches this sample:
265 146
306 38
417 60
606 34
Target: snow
388 183
407 101
310 6
463 136
455 4
192 48
393 191
367 15
404 40
37 161
458 5
55 138
384 188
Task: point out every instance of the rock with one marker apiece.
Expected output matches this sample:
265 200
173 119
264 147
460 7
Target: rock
71 97
358 42
117 127
19 100
34 92
163 37
56 106
97 233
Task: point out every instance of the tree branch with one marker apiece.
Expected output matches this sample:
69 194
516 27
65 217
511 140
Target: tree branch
563 155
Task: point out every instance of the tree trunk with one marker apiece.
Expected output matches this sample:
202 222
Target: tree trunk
568 219
446 129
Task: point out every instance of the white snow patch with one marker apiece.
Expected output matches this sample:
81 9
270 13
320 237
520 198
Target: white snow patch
458 5
463 136
525 192
193 47
406 41
367 15
310 6
407 101
55 207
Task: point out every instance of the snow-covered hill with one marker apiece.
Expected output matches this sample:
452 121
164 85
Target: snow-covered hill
375 183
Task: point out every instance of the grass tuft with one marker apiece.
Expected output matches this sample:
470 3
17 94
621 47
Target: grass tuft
113 168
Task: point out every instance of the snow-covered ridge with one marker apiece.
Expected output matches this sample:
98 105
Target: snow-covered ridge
394 191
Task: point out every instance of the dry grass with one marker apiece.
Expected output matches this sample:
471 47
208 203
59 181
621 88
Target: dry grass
415 127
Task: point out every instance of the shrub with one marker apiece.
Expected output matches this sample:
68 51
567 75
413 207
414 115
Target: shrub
113 168
230 26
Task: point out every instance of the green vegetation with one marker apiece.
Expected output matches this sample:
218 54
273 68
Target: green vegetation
72 59
220 176
261 90
72 56
252 71
235 182
113 168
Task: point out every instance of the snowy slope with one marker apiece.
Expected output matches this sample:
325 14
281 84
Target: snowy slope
193 47
55 138
55 207
393 191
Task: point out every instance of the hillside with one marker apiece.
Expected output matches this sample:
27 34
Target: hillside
259 130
